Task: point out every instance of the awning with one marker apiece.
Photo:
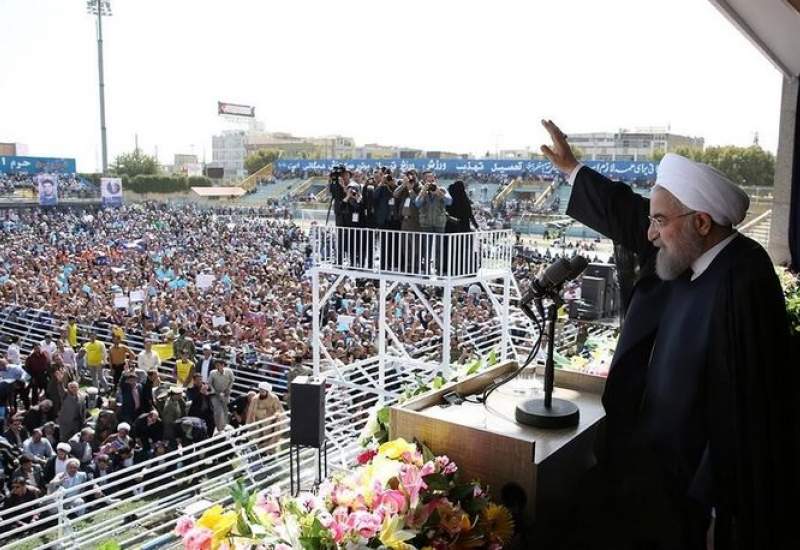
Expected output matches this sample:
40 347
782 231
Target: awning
219 191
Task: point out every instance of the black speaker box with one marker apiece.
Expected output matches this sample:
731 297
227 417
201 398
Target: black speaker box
307 405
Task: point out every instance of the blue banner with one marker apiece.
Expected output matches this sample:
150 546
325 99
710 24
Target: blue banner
619 170
36 165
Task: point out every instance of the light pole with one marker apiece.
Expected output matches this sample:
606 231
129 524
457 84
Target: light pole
101 8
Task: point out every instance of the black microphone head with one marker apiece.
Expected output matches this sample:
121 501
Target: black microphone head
577 265
557 273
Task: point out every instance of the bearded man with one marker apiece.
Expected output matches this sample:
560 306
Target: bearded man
699 416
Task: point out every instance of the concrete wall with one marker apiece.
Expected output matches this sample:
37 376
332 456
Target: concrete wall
784 163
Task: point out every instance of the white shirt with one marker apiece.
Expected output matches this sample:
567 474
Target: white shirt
148 360
48 349
60 465
702 263
68 356
205 367
12 354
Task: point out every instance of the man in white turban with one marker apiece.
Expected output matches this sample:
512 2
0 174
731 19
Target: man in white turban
701 397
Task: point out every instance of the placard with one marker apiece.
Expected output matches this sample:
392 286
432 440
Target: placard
218 321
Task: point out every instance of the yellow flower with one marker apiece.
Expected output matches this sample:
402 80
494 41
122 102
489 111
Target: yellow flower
498 523
219 522
393 537
394 449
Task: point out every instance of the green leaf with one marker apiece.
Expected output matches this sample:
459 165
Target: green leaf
492 358
427 454
437 382
437 482
383 415
109 545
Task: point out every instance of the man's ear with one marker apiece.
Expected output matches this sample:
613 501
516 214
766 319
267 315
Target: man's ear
703 223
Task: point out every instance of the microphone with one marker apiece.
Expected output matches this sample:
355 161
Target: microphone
559 272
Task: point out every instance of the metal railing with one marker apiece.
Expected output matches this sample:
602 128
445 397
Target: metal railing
411 253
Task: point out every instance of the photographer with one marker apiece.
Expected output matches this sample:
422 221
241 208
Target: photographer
432 202
407 216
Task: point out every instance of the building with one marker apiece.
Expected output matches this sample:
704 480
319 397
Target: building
337 147
375 151
228 152
183 162
289 145
13 150
638 144
444 155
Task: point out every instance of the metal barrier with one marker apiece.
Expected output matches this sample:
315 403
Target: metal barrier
412 253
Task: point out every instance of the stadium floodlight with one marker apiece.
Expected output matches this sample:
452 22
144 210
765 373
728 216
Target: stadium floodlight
101 8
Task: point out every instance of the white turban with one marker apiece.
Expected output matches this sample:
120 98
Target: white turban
265 386
703 188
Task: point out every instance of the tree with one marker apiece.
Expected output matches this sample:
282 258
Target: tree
744 165
259 159
134 164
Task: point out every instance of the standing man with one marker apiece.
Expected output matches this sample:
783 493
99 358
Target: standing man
221 383
701 397
148 359
95 359
72 332
184 369
72 412
118 356
37 365
206 362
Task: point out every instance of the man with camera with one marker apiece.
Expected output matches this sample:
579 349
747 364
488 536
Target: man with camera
432 202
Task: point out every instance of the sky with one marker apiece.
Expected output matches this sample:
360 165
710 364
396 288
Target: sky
463 76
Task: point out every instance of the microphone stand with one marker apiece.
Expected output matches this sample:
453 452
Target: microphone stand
548 413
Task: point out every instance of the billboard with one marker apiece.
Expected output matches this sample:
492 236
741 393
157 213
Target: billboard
111 191
619 170
48 189
36 165
234 109
194 169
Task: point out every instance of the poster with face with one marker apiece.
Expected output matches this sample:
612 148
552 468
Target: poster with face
111 191
48 189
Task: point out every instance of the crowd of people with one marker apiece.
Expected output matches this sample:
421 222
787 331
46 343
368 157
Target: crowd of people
69 185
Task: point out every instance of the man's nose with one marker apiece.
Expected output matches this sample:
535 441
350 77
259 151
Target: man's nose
652 233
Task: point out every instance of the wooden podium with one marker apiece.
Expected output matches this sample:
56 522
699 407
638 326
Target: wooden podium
488 444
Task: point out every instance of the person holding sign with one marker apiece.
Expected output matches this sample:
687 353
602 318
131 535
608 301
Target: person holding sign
184 369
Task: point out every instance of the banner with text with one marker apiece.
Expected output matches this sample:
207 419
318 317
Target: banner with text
36 165
620 170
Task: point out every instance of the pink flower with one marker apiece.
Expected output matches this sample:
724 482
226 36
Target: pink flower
198 538
340 514
412 482
394 502
450 469
184 525
428 469
366 456
338 531
442 461
365 524
412 458
282 546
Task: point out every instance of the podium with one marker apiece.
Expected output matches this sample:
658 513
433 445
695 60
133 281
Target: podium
488 444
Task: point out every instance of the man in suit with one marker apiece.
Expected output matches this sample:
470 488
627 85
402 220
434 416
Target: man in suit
699 401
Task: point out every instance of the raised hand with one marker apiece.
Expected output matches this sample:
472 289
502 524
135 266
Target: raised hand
560 154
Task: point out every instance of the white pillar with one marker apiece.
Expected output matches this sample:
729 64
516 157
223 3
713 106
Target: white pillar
446 307
382 336
504 316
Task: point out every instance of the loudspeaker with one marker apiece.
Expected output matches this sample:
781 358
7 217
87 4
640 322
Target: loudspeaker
307 405
593 294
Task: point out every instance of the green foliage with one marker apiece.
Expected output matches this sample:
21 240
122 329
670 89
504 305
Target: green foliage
134 164
259 159
744 165
163 183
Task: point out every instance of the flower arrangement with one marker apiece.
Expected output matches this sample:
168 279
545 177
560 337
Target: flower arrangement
791 292
399 497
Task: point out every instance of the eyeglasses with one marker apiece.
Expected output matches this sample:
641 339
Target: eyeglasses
660 222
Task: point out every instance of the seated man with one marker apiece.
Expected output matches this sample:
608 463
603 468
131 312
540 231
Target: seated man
71 481
21 493
38 447
57 464
148 429
30 472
